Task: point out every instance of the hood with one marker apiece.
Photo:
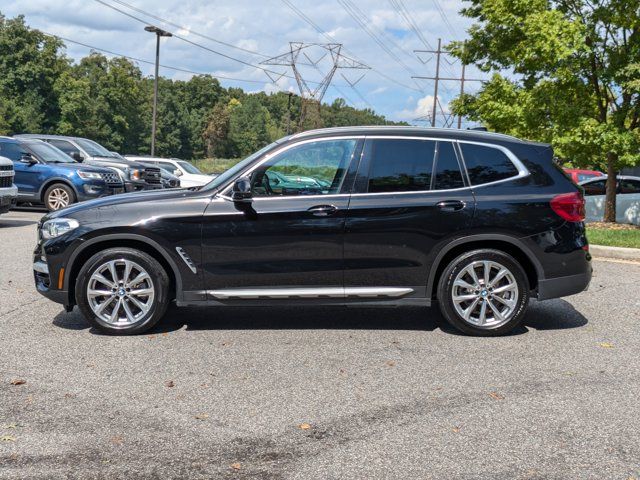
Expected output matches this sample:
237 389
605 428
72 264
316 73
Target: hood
72 167
114 162
121 199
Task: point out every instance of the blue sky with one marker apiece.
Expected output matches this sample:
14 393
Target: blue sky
256 30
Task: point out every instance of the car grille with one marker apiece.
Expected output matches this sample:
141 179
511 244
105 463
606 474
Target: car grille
112 178
152 175
6 176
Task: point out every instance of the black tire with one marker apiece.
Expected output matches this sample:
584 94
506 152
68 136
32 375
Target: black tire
158 281
54 192
520 299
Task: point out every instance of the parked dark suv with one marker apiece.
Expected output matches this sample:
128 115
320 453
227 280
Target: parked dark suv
478 222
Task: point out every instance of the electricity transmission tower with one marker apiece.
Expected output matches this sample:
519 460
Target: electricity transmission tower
312 97
448 119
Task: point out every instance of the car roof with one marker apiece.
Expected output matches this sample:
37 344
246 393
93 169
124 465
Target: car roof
449 133
48 136
144 158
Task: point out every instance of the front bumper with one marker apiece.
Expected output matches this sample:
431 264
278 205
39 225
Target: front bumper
139 186
8 198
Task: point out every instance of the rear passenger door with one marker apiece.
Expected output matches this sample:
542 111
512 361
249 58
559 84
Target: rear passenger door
410 197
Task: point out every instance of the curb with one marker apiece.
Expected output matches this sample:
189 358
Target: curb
599 251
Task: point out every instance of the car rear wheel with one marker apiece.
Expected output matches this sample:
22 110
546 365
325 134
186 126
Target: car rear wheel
484 292
122 291
58 196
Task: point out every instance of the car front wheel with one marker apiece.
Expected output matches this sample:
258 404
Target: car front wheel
484 292
58 196
122 291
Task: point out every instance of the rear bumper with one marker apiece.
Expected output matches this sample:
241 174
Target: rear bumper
564 286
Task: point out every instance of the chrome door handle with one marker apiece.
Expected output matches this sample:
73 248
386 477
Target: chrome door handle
323 210
451 205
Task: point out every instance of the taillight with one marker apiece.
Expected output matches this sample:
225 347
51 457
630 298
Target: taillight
569 206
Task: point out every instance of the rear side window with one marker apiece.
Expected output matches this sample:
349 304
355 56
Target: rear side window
400 165
447 169
486 164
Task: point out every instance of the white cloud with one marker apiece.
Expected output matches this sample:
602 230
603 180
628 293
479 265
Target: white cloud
266 27
423 108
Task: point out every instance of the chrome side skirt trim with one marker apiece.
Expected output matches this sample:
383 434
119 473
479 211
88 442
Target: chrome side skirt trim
324 292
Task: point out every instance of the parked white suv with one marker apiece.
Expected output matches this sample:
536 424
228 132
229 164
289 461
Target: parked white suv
189 175
8 191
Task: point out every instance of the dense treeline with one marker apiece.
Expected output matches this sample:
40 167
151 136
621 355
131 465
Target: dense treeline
109 100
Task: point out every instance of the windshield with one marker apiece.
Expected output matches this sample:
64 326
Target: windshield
189 168
48 153
238 167
95 149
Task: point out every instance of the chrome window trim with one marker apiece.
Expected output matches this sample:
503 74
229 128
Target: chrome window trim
225 190
522 170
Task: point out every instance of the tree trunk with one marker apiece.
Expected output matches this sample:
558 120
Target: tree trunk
610 198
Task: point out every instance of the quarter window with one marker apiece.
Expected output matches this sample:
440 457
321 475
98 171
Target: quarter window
400 165
447 169
486 164
314 168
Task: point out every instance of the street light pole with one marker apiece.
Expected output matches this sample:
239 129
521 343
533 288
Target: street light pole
159 33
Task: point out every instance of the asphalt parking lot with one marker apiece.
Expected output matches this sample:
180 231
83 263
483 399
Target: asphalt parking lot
308 393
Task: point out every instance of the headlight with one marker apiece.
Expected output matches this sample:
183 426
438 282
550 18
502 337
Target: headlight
58 226
89 175
135 174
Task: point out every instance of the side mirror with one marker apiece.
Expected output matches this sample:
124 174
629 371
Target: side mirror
28 159
242 190
177 172
77 157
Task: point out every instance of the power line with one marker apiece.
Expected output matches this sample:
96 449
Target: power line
181 27
358 15
177 69
445 19
318 29
399 7
179 37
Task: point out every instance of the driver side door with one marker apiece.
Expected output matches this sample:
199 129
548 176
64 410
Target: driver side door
291 235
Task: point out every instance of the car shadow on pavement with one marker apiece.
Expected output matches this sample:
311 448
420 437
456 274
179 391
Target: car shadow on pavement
14 222
280 318
549 315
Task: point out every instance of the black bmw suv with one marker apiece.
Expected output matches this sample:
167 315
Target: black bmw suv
477 222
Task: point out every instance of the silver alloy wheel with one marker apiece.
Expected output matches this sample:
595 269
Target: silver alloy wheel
485 294
59 198
120 292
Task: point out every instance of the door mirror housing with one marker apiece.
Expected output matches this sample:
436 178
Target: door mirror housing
77 156
241 191
28 159
177 172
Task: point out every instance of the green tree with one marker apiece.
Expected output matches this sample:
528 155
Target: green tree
103 99
249 127
574 77
30 63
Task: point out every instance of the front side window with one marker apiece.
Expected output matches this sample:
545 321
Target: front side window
486 164
400 165
314 168
447 169
66 147
12 151
47 153
187 167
